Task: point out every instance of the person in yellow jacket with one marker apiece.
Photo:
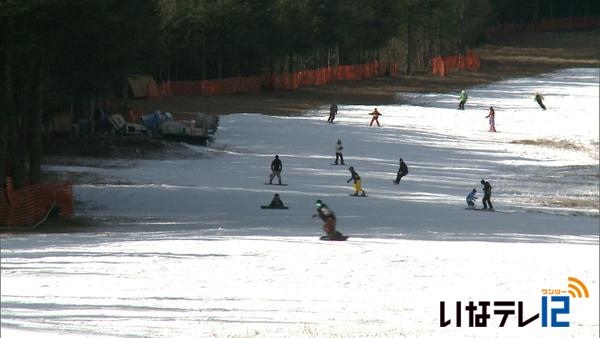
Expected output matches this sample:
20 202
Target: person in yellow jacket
462 100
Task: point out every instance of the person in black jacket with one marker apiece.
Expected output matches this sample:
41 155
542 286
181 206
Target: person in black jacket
402 171
276 168
539 98
332 112
487 194
328 217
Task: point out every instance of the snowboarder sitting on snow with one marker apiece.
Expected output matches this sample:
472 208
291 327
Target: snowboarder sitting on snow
338 152
402 171
276 202
539 98
471 199
276 167
328 217
487 194
357 183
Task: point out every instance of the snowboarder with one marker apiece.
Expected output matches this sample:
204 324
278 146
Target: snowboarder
491 115
402 171
332 112
276 203
375 118
471 199
276 168
462 100
539 98
329 218
487 194
357 183
338 152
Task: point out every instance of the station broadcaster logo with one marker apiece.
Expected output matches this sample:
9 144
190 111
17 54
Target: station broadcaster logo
554 302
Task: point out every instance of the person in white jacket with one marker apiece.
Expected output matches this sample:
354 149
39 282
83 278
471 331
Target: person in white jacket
338 152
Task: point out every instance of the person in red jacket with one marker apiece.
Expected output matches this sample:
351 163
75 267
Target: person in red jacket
375 118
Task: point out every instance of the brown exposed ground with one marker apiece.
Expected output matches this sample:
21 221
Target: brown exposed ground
523 55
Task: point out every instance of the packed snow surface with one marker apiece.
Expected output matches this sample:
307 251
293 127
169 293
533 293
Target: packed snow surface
181 247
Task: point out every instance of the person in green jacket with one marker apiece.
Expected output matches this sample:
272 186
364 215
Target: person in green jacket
462 100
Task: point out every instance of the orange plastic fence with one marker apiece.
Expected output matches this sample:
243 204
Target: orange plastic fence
29 204
441 65
546 25
314 77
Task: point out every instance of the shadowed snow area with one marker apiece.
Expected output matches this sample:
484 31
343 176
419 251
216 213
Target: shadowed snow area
181 247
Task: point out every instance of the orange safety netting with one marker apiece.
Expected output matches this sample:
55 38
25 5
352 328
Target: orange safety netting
29 204
286 81
441 65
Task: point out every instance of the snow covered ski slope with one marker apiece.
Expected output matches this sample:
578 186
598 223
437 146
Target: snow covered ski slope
181 247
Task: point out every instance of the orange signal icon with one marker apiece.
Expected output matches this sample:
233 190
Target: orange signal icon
576 287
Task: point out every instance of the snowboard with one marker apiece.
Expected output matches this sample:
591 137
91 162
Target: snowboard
337 238
283 185
268 207
337 164
480 209
353 195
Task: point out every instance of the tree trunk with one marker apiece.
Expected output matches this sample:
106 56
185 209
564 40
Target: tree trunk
219 64
460 43
203 57
35 151
92 118
18 122
8 107
409 45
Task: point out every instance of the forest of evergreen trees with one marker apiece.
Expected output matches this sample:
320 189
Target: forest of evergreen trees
55 53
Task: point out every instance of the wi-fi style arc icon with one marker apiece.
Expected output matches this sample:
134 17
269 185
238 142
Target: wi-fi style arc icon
576 287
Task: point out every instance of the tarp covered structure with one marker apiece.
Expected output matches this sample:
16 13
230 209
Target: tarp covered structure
140 84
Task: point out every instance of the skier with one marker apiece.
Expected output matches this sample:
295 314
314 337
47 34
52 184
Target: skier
375 118
357 183
332 112
276 168
539 98
487 194
491 115
338 152
402 171
471 199
462 100
329 218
